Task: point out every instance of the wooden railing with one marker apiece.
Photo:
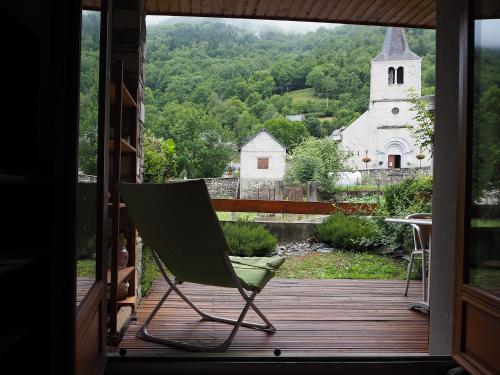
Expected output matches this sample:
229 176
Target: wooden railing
292 207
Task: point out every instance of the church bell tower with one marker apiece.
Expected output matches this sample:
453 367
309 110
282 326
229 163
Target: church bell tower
395 69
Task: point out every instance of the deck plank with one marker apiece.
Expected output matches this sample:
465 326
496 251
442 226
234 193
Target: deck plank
83 285
318 317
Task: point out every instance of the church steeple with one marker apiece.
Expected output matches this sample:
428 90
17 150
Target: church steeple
395 47
396 69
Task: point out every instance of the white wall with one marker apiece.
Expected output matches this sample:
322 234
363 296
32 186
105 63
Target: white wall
379 86
366 134
262 146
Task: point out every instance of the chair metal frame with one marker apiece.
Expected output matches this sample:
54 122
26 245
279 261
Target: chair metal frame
419 248
249 299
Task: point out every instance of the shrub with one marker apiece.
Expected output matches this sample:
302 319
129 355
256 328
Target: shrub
348 232
412 195
249 239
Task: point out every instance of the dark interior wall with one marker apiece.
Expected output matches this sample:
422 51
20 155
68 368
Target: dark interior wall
40 66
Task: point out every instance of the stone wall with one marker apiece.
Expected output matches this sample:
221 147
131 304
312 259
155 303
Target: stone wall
87 178
256 188
222 187
395 175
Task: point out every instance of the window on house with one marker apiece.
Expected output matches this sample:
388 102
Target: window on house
400 75
262 163
391 76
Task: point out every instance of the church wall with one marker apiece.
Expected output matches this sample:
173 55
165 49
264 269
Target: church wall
365 134
379 87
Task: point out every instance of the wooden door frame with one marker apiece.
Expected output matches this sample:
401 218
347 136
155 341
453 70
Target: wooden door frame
91 314
466 295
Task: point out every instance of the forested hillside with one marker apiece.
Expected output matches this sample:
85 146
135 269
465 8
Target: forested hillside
210 85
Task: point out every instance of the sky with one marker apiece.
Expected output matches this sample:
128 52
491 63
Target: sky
285 26
488 33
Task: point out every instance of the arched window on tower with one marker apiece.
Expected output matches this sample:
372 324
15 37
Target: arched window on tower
391 76
401 74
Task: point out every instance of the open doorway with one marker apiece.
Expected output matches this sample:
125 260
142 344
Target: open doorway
255 108
394 161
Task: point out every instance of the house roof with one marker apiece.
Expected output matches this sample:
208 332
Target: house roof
296 117
247 141
395 47
382 12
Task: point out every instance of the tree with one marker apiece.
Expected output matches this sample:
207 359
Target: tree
486 143
313 125
203 146
318 160
289 133
160 159
423 133
243 127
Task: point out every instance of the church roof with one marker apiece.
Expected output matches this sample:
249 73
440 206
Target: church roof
396 47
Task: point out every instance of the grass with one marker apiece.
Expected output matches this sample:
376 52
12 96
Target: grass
485 223
150 271
227 216
305 95
342 265
85 268
486 279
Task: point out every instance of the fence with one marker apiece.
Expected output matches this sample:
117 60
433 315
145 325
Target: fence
292 207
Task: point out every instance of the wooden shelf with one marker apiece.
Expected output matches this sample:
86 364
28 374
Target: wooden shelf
123 274
123 163
126 147
128 100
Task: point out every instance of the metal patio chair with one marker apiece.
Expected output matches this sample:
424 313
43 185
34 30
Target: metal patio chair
420 249
178 221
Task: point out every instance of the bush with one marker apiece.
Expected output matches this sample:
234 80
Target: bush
348 232
412 195
249 239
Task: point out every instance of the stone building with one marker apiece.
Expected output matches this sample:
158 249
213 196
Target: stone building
262 164
263 157
382 134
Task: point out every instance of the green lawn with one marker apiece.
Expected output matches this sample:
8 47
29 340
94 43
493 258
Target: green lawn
342 265
304 95
336 265
85 268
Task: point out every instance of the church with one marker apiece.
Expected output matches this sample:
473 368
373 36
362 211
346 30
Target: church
381 137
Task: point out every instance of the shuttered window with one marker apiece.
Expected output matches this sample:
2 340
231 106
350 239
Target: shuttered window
262 163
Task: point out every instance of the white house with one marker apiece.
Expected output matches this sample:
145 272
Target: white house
262 157
382 133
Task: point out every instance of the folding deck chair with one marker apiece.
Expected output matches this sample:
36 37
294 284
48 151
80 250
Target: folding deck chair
178 222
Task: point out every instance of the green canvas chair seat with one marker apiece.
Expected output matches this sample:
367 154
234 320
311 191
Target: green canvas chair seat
255 272
177 221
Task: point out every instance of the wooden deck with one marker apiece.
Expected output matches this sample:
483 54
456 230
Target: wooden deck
313 317
83 285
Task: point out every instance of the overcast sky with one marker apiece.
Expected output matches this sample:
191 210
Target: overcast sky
488 33
285 26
